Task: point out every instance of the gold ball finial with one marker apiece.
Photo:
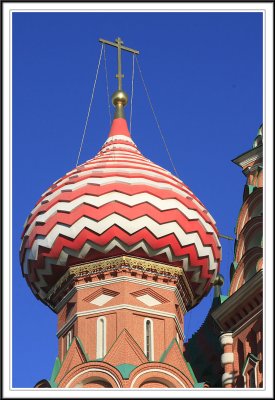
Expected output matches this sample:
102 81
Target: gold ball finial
219 280
120 97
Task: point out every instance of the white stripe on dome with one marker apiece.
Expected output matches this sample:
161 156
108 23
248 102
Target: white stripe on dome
130 200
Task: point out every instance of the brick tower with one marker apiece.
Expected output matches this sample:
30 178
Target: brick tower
240 317
120 249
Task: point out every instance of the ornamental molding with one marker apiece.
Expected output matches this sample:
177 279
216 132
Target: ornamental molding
118 279
244 158
247 323
116 264
68 385
158 370
232 304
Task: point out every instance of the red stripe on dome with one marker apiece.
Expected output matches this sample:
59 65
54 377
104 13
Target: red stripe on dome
131 213
119 127
115 231
124 188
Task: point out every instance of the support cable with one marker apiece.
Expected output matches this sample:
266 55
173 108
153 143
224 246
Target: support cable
107 85
90 105
132 93
160 131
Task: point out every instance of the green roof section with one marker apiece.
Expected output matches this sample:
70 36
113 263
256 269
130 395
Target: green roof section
82 348
56 369
199 385
217 301
58 364
191 371
223 298
165 353
53 384
76 338
251 188
233 267
125 369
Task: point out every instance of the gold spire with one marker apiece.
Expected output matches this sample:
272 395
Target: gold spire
119 98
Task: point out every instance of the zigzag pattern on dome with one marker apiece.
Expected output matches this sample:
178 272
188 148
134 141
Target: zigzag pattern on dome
119 202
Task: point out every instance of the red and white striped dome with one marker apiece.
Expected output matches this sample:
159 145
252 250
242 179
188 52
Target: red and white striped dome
118 203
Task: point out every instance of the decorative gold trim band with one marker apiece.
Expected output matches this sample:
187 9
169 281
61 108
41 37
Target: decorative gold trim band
113 264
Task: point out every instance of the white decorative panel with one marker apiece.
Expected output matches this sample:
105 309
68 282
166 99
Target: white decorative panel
148 300
101 300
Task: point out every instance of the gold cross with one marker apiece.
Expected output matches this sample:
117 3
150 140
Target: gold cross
118 43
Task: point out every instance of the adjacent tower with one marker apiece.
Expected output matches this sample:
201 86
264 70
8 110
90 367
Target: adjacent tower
120 249
240 317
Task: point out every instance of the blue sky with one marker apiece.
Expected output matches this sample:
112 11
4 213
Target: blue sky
203 72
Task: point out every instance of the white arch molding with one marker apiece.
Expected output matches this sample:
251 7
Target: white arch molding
93 370
157 370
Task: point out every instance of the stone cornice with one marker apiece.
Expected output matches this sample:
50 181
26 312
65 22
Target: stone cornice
250 155
253 318
115 264
231 306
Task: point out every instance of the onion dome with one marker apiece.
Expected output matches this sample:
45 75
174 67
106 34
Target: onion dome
118 203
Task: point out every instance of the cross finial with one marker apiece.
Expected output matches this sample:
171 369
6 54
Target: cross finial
118 43
119 74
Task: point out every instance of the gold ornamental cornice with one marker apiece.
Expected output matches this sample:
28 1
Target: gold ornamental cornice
131 262
115 263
